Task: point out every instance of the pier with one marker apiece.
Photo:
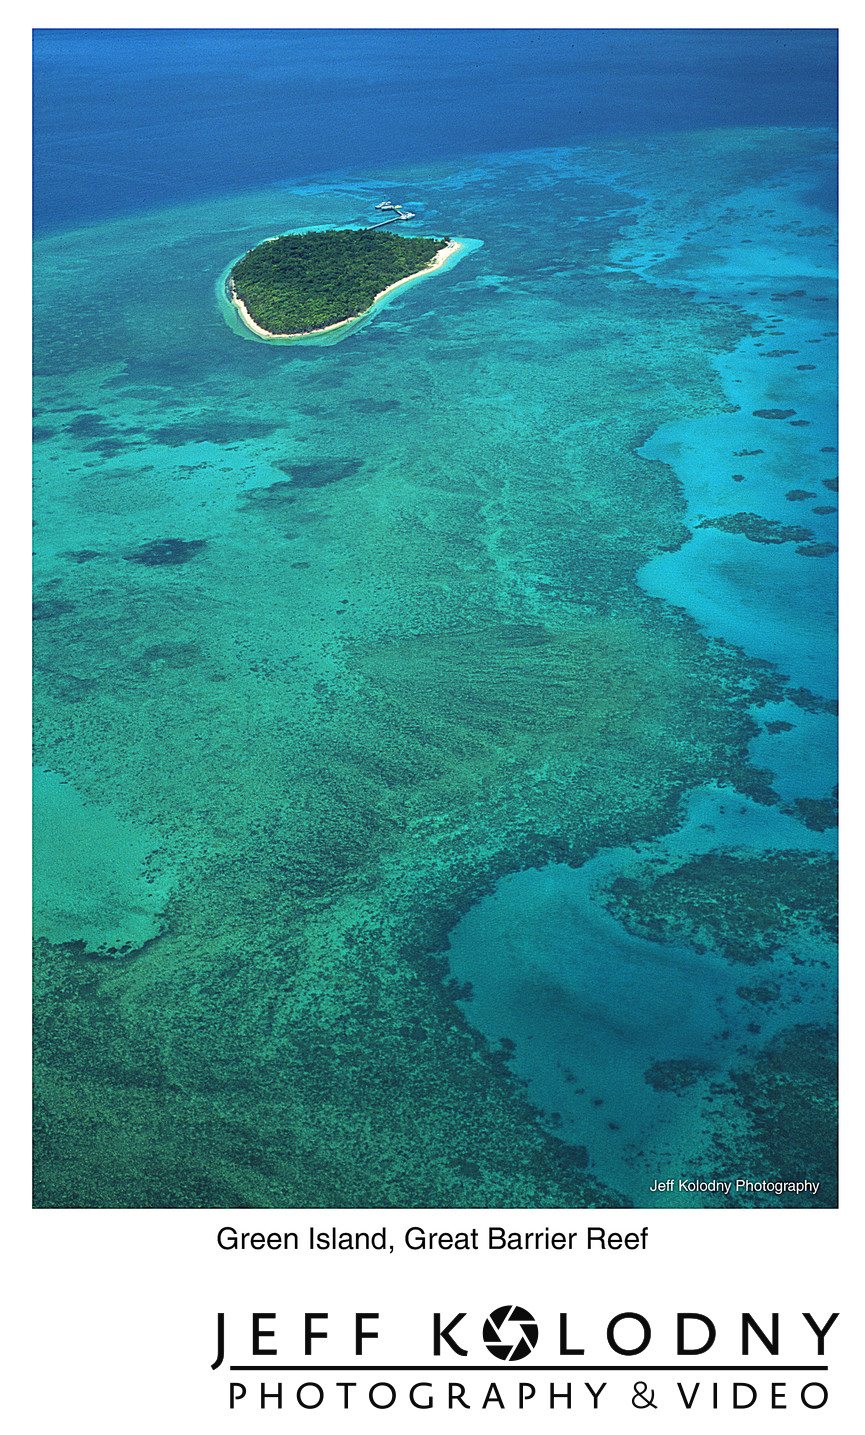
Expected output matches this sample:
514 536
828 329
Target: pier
399 213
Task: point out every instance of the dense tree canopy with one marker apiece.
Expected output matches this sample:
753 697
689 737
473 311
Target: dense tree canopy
302 282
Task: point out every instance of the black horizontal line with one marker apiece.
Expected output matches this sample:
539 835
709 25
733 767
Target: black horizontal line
498 1369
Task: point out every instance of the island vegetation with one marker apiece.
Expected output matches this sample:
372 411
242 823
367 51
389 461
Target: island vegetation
301 283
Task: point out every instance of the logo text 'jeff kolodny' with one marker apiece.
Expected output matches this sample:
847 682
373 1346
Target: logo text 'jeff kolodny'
509 1333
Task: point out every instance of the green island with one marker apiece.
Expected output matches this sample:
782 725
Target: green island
302 283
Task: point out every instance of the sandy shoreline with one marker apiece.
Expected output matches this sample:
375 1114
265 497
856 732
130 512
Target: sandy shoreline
441 257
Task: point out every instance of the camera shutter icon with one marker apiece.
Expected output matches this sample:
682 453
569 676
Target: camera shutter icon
510 1333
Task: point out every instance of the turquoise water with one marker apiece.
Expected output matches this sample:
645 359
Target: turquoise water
591 1007
543 953
372 664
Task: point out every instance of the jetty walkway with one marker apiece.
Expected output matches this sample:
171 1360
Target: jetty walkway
399 213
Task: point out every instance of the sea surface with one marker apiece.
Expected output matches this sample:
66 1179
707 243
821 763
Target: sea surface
435 800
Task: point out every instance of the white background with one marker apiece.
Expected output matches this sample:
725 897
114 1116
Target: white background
118 1315
109 1316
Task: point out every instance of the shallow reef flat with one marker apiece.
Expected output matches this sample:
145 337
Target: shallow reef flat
349 634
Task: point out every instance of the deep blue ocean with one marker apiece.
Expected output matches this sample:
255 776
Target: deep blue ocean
128 120
436 719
